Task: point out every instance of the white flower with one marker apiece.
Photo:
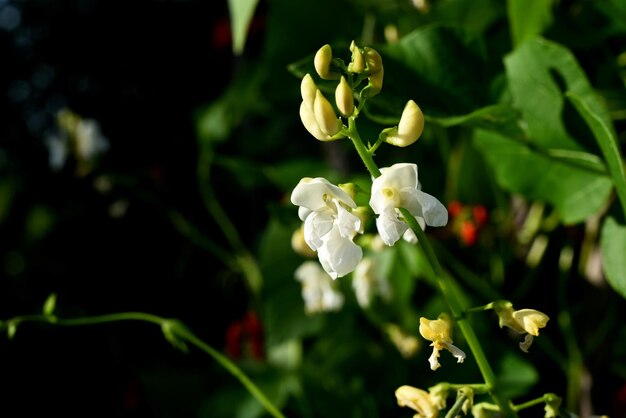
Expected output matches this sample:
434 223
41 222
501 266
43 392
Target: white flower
318 289
329 227
398 187
366 282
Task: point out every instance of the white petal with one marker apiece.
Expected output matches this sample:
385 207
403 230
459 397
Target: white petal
434 360
525 344
303 213
434 212
348 223
338 255
316 225
456 352
400 176
389 227
310 193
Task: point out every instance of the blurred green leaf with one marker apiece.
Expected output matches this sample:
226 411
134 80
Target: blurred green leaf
516 375
576 192
613 244
217 121
527 19
50 304
241 14
440 67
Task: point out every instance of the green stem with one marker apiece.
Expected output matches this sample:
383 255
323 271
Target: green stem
178 331
546 398
456 408
445 282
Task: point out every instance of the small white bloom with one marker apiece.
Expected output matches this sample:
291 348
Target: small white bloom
366 283
329 226
318 289
398 187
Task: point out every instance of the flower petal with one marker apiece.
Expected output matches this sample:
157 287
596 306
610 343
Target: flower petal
399 176
433 211
316 226
389 227
338 255
314 193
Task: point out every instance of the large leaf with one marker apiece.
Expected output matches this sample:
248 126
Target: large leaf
613 244
574 190
534 72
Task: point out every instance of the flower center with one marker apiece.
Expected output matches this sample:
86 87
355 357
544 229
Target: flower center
391 195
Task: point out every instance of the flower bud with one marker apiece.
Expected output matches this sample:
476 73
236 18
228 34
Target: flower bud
375 68
410 127
344 98
322 61
310 123
299 245
307 90
325 115
357 65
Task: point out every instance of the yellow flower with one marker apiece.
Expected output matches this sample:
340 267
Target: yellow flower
417 399
439 331
523 321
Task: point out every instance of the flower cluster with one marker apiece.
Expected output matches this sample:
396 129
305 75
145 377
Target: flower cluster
318 290
245 336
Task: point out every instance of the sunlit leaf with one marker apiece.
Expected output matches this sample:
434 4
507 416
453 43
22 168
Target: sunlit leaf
528 19
613 244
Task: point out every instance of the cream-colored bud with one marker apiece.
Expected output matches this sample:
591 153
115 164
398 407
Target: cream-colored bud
325 115
410 127
307 90
344 98
299 245
357 65
373 59
310 123
322 61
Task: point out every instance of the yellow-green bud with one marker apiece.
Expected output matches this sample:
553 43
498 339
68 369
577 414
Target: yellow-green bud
357 65
410 127
322 61
310 123
344 98
375 68
325 115
307 90
363 213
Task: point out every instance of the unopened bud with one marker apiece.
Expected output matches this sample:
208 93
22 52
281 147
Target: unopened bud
310 123
307 90
357 65
363 213
375 68
344 98
325 115
410 127
322 61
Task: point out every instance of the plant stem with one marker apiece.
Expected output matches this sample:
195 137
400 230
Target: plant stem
177 329
446 283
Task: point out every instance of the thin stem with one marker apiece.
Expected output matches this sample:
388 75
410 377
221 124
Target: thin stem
456 408
178 331
546 398
446 283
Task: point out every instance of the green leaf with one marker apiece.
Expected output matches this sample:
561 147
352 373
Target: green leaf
613 245
575 191
528 19
241 14
439 67
538 72
516 375
607 140
50 304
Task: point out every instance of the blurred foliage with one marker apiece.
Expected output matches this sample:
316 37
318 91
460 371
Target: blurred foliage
187 213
